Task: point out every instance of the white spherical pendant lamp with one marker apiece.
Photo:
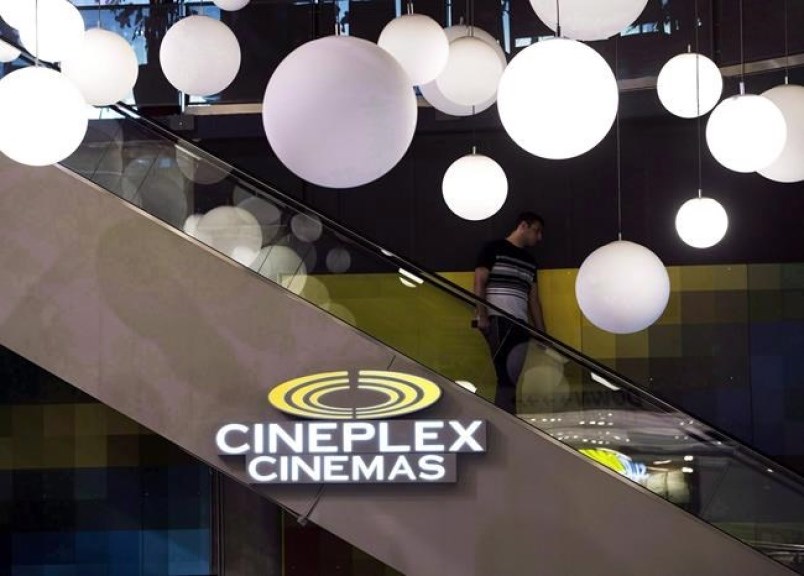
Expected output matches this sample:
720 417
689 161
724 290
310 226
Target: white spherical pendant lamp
348 123
431 91
474 187
13 12
43 116
472 73
8 53
589 19
231 5
419 44
789 166
689 85
53 33
702 222
233 231
557 99
200 55
622 287
746 133
104 67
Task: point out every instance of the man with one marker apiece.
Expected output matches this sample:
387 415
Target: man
505 276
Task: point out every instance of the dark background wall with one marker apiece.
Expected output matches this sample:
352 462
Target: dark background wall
86 491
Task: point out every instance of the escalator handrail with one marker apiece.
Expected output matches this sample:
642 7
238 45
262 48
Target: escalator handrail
264 189
270 192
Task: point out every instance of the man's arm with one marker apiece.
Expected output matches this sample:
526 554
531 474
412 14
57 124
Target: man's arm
481 282
535 308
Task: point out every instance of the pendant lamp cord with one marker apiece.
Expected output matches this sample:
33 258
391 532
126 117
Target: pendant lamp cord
474 128
742 52
558 19
619 155
470 17
786 48
698 98
36 27
314 13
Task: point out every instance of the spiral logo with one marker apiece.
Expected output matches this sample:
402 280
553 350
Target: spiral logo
374 394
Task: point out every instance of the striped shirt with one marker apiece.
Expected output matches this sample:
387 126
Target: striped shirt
512 273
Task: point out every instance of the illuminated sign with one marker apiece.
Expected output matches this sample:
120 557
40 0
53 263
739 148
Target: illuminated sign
349 441
397 394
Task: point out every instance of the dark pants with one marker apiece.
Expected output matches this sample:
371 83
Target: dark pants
508 344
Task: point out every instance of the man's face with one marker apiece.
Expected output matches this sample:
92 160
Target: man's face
533 233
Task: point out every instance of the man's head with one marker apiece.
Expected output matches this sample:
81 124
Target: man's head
528 230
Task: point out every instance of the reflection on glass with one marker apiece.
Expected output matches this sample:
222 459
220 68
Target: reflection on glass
338 260
266 213
281 264
409 279
196 170
232 231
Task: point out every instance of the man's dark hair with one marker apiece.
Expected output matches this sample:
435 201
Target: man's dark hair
529 218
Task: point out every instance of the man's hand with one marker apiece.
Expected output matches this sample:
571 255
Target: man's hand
481 281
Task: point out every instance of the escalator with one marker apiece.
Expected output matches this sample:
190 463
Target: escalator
101 287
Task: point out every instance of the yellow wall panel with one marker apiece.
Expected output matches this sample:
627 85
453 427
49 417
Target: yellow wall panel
562 316
59 420
714 278
90 419
765 277
90 452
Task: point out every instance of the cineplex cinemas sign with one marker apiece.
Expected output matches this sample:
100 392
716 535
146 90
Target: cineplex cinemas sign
347 435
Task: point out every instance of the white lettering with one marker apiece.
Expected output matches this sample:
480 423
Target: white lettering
295 442
432 467
333 468
401 466
352 451
259 438
223 445
356 431
465 436
385 446
313 472
254 472
422 435
317 433
375 470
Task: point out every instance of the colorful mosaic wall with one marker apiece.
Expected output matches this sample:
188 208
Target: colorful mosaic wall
84 491
728 348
